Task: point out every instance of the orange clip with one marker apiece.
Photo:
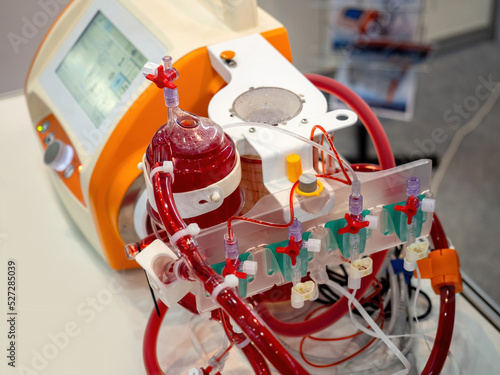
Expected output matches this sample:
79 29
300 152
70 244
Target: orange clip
443 268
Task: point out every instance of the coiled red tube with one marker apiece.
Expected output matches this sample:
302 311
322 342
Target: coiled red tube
150 340
444 332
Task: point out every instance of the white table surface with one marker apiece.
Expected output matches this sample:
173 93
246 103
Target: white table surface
59 275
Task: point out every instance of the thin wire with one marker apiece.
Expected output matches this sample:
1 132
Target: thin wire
377 332
465 130
417 291
332 147
381 316
266 223
297 136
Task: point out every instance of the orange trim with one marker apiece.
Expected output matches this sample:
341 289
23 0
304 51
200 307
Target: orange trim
116 167
279 40
43 41
443 268
73 183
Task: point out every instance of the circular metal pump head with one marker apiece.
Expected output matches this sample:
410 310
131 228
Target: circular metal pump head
308 183
268 105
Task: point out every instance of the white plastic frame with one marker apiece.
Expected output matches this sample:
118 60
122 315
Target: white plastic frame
72 115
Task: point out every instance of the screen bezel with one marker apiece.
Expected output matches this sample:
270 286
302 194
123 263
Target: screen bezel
88 136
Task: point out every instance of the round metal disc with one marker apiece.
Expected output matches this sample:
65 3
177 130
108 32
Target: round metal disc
268 105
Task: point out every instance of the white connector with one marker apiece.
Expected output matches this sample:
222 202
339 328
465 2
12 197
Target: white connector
249 267
313 245
372 220
192 229
155 259
414 252
150 68
302 292
359 269
428 205
230 281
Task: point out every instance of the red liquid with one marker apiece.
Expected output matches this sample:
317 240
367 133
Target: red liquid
202 154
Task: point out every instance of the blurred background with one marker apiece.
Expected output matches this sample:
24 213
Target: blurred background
428 67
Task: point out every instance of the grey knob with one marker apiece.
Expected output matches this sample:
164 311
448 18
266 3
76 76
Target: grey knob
58 155
308 183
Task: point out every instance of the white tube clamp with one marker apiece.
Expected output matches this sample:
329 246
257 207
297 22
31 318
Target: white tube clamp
192 230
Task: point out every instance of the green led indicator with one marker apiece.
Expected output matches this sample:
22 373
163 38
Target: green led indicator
39 128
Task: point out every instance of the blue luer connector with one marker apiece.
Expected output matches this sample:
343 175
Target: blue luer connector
398 267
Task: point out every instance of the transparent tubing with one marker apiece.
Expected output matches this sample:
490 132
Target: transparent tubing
364 112
386 159
228 298
297 136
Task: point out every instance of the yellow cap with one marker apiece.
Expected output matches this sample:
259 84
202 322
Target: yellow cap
294 167
227 55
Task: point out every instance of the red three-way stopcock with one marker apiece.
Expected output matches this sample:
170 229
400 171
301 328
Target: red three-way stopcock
164 79
292 250
232 268
353 226
410 209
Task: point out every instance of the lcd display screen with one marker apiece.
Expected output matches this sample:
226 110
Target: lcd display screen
99 68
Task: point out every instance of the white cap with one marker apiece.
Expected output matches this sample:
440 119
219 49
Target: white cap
314 245
428 205
250 267
150 68
372 220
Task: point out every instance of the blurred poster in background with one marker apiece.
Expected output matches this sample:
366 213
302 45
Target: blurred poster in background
379 40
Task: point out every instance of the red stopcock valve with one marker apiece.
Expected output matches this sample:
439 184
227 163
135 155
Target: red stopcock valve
164 77
231 268
353 224
292 249
410 208
294 242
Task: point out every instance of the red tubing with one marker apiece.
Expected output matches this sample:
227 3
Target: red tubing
446 322
228 298
256 360
150 339
386 159
258 333
364 112
444 332
439 239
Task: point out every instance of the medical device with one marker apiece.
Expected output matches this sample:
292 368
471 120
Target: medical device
222 181
85 94
316 212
